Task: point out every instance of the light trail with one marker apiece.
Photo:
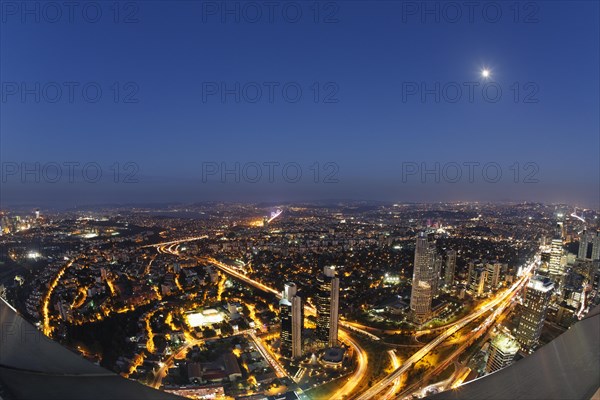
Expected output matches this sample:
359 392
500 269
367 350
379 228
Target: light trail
581 311
396 386
149 265
574 215
46 328
470 338
279 370
501 300
363 361
221 287
111 287
275 215
79 298
461 378
175 242
149 332
361 355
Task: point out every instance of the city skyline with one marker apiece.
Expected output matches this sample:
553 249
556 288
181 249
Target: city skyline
301 300
299 200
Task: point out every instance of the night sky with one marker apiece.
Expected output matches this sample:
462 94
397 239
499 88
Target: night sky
170 113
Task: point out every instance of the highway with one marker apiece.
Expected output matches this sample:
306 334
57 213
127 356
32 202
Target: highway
46 328
361 355
361 369
503 300
175 242
279 370
469 339
396 386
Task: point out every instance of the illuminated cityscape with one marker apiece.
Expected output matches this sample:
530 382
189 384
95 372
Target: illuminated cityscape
303 305
299 200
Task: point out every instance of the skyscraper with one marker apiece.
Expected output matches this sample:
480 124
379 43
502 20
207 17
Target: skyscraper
437 271
537 298
477 279
596 246
450 268
422 291
555 267
583 245
291 316
503 350
328 299
297 326
492 276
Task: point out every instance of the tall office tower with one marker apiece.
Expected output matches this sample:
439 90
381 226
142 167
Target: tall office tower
422 293
292 318
555 267
492 276
583 245
328 302
297 326
559 230
450 268
470 271
477 280
289 290
596 246
537 298
436 272
503 350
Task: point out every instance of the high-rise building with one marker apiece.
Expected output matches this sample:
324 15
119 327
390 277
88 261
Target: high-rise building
537 298
436 272
555 266
328 299
477 279
422 291
596 246
471 266
583 245
297 326
292 322
450 268
503 350
492 276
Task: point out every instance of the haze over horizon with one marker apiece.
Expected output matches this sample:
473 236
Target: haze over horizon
367 93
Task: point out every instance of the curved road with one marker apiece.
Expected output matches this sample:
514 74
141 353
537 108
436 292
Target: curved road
361 355
502 300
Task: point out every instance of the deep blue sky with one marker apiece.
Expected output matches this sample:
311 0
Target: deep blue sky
372 51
